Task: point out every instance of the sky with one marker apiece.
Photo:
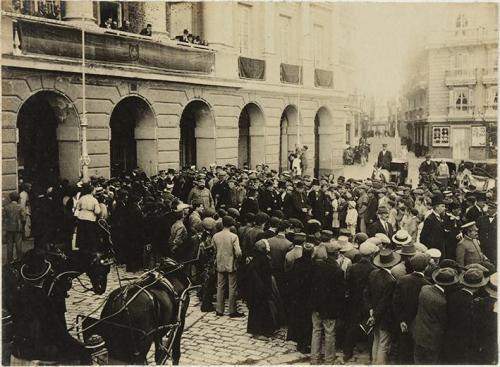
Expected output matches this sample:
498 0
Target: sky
386 34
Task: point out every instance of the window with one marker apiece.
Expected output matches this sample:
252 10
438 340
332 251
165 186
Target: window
41 8
461 102
285 34
245 13
461 24
461 63
319 42
110 10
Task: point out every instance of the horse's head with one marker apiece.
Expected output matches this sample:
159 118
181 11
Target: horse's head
97 269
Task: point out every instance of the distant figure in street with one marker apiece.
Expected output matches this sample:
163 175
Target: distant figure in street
303 159
384 158
148 31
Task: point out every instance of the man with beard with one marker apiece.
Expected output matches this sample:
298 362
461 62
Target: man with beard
201 194
487 225
469 249
318 202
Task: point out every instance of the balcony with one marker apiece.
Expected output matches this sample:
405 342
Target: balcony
460 77
490 75
44 37
460 113
290 74
323 78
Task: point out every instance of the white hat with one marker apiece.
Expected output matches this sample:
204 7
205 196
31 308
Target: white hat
383 237
181 206
434 253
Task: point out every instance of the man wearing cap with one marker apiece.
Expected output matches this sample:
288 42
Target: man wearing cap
362 205
472 212
271 231
469 249
178 232
431 319
251 236
201 193
228 251
405 304
459 344
381 225
487 226
384 158
356 283
279 246
327 303
378 299
432 234
296 252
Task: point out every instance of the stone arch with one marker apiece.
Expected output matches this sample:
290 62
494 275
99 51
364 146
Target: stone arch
133 140
197 134
251 136
288 134
323 131
48 145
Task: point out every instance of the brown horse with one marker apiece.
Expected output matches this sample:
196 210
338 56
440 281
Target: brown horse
149 310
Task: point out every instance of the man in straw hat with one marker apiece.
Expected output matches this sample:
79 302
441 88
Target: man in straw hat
404 243
405 304
468 249
378 297
430 322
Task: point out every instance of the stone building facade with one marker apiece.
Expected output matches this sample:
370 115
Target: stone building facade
452 92
272 76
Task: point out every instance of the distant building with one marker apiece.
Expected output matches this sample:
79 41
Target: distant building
154 102
452 92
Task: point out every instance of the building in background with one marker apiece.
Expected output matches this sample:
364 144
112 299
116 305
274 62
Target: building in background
452 91
156 102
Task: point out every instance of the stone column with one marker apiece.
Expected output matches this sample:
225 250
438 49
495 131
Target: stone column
76 10
155 13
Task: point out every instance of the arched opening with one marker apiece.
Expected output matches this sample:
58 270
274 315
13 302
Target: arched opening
197 136
316 146
251 136
48 140
133 137
288 135
324 141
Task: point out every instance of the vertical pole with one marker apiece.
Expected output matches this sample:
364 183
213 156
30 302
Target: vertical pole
84 123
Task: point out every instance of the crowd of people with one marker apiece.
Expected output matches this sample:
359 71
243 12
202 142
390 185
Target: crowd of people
337 261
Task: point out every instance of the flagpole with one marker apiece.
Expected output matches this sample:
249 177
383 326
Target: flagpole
84 123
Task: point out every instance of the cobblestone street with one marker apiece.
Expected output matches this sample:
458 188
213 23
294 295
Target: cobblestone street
207 339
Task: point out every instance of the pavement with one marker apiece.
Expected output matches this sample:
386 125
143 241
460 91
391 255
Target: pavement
207 339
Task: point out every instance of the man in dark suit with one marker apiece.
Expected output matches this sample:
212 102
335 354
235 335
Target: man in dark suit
299 203
318 201
356 283
278 248
268 198
384 158
327 303
405 304
431 319
221 192
451 225
472 212
487 225
371 209
433 235
459 345
381 225
378 299
271 231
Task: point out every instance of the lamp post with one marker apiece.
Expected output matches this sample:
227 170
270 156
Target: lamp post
85 159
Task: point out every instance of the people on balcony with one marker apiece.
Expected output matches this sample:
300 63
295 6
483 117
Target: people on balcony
148 31
125 26
187 37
